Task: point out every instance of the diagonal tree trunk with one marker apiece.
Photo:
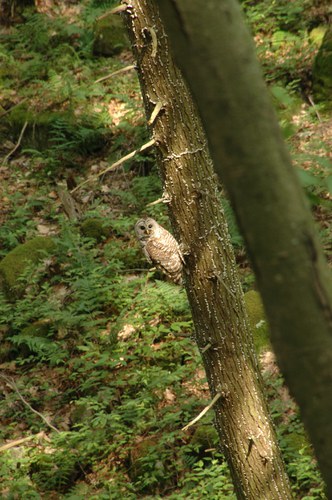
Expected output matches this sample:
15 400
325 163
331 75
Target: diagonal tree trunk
216 53
222 333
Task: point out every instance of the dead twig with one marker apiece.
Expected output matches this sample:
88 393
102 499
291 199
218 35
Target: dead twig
310 99
115 165
17 145
13 107
206 409
120 8
163 199
122 70
17 442
12 384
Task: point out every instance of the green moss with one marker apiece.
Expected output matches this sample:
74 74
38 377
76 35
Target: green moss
36 134
16 261
110 36
61 133
317 34
39 133
257 320
94 228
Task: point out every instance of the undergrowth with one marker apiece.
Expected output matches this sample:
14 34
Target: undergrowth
100 372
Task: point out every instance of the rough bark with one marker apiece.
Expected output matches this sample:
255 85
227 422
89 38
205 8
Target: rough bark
216 53
214 291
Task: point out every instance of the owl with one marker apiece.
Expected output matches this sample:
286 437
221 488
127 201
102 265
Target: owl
160 248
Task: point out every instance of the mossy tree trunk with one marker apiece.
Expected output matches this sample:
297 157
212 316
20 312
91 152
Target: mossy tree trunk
222 334
217 55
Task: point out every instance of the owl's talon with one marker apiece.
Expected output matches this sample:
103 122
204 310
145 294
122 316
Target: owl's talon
184 249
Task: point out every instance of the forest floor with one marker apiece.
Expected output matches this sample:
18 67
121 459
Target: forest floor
98 369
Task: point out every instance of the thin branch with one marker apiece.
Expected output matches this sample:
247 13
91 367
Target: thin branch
116 164
122 70
160 200
310 99
120 8
17 442
17 144
12 384
13 107
206 409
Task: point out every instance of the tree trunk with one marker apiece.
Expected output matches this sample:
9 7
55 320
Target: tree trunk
10 10
216 53
5 12
222 333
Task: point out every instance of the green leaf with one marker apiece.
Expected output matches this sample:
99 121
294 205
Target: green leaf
307 179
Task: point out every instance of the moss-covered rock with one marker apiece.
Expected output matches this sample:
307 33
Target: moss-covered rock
82 135
110 36
322 70
95 229
14 264
37 133
257 320
317 34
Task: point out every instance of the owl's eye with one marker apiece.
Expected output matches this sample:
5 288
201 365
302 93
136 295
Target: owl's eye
142 227
150 226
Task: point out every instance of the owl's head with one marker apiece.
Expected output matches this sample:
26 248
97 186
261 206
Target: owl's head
144 228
